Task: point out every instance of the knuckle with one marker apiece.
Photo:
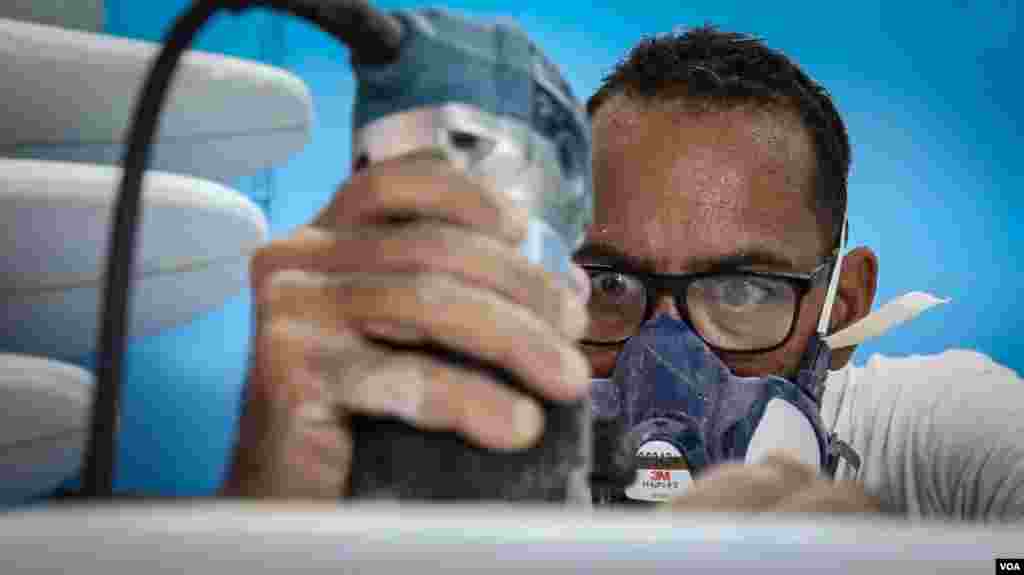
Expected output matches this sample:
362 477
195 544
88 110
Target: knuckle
400 385
368 182
282 337
370 190
549 296
260 266
468 394
445 238
509 355
426 246
434 290
544 292
270 291
275 293
278 331
379 188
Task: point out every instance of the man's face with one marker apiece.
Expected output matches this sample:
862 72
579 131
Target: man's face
680 190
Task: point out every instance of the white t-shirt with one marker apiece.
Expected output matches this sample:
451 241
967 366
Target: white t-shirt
938 436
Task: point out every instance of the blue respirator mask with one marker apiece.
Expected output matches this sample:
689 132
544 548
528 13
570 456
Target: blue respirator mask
672 408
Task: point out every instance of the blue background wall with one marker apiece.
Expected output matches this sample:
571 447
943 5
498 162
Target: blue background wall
935 190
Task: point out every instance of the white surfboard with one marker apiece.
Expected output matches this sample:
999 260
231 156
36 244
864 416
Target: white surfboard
296 538
195 239
80 15
70 95
43 424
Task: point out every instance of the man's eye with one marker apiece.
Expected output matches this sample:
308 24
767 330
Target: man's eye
741 292
614 287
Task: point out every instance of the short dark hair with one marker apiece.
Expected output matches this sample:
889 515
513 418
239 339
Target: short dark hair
727 68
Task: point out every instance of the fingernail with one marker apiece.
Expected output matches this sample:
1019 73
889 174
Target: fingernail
314 413
580 282
576 369
575 317
527 420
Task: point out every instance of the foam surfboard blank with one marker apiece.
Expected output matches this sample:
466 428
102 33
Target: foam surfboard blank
70 95
265 538
78 14
43 425
192 254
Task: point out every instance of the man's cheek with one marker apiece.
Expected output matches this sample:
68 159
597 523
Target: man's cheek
776 362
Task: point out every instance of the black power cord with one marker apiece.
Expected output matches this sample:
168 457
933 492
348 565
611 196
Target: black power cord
373 38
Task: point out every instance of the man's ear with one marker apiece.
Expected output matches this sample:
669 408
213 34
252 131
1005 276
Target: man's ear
858 281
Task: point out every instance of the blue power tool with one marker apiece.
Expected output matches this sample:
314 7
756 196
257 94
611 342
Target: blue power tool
486 98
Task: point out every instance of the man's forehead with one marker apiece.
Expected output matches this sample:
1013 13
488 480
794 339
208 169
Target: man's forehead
677 187
625 120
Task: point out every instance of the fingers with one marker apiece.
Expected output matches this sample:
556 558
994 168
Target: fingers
317 454
435 309
410 251
476 259
831 497
360 377
424 186
779 484
791 470
746 488
289 442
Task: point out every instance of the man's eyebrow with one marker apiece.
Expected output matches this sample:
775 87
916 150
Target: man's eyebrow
741 259
609 255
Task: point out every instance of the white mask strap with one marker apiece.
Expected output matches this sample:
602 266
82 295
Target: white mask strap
833 283
897 311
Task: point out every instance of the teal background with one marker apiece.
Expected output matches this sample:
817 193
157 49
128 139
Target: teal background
928 91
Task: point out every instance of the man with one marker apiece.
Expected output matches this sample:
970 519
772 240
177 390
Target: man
713 155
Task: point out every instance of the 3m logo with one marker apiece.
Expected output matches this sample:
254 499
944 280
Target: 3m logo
660 455
660 475
1009 566
661 472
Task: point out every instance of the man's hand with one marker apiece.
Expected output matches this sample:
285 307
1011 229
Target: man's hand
409 252
778 484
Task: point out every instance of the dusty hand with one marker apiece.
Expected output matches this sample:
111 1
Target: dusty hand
408 252
778 484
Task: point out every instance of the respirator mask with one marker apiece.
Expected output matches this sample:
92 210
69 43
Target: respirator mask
672 407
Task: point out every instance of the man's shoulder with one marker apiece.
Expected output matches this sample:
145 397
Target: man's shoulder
938 434
933 431
897 389
949 361
926 373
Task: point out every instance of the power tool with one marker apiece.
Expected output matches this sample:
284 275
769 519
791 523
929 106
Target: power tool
486 97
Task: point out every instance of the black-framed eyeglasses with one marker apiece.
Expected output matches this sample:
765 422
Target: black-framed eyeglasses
735 311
